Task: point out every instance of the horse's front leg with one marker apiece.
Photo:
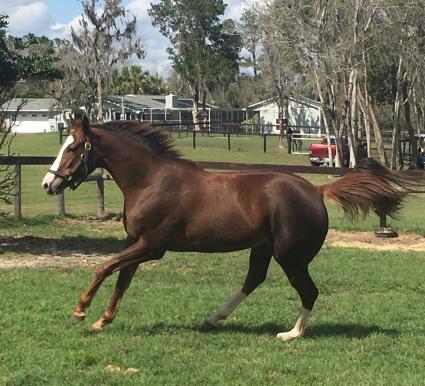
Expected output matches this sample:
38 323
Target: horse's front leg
123 282
135 253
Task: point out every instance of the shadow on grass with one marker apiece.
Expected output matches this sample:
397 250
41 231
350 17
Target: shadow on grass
351 331
348 331
66 246
315 331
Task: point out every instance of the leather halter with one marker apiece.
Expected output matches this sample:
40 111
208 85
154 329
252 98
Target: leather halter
69 177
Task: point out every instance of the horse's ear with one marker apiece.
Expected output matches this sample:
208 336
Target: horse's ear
79 128
85 124
75 127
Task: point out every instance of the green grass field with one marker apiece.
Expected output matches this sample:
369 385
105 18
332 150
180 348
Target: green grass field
367 327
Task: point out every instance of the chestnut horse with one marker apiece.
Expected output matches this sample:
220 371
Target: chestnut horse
170 204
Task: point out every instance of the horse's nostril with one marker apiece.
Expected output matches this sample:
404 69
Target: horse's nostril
46 186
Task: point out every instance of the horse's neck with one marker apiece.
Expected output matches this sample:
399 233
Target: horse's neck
128 162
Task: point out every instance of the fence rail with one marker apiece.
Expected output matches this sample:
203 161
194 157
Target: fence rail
210 129
18 162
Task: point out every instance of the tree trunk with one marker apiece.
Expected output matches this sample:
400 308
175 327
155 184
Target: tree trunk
325 119
396 159
351 116
418 113
335 125
409 126
204 111
378 136
254 64
280 107
352 89
195 109
376 130
100 100
366 108
366 124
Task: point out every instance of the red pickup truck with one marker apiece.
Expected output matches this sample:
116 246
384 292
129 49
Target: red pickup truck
318 153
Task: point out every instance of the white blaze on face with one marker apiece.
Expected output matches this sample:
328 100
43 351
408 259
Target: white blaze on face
48 178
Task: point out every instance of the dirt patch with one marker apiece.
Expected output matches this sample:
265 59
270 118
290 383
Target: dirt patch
36 252
49 261
368 240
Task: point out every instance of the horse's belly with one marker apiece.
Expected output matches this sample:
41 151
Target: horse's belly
218 240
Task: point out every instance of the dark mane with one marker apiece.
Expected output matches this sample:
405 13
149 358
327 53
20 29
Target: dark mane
155 138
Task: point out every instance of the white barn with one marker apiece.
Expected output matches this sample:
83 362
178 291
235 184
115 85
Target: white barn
304 114
37 115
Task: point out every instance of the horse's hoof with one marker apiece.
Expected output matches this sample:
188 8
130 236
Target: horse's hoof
207 327
77 317
96 327
287 336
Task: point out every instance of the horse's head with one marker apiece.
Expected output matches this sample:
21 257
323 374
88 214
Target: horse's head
73 163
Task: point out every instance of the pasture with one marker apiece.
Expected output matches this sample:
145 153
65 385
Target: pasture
367 326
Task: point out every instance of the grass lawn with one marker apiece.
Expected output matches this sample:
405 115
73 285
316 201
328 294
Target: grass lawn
367 328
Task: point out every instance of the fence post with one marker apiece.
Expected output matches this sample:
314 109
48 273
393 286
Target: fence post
265 142
382 221
194 139
18 192
228 141
384 230
100 197
61 204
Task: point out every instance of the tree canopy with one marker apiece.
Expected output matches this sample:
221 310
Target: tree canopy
106 37
21 59
204 49
134 80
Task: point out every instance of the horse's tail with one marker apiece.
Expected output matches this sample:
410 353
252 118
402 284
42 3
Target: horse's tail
371 186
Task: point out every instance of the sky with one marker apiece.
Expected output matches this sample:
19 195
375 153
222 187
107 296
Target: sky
54 18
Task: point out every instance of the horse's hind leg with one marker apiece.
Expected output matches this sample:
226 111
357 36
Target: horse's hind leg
259 261
300 279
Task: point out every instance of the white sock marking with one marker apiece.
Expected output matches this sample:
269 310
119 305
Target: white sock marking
299 328
227 308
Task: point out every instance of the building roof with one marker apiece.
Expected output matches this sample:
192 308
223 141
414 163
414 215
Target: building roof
301 100
137 103
31 104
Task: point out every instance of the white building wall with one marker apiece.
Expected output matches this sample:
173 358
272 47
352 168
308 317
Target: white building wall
34 122
300 114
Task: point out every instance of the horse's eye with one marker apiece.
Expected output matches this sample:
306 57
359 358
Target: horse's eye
70 150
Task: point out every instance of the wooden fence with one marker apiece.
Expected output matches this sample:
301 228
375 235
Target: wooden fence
228 130
18 162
